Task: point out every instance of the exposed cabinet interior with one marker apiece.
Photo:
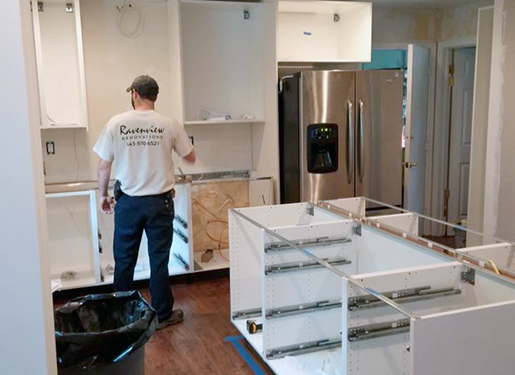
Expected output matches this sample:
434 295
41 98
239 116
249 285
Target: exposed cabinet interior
60 63
363 295
324 31
223 55
72 238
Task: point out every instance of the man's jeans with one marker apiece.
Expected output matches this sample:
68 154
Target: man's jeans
154 214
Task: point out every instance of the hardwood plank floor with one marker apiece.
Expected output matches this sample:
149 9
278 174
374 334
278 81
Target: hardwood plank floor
196 346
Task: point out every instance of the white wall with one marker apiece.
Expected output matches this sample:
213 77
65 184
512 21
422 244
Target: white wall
27 343
111 63
402 26
411 25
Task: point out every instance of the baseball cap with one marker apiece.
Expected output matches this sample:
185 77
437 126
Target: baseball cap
145 86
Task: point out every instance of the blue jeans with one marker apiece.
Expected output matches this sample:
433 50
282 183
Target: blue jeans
153 214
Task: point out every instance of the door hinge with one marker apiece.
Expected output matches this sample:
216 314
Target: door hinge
451 75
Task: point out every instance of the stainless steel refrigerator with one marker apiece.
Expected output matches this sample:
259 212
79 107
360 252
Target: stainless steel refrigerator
341 135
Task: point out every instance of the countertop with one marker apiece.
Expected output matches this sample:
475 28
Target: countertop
196 178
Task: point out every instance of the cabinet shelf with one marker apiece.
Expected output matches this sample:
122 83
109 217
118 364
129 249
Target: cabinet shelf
233 121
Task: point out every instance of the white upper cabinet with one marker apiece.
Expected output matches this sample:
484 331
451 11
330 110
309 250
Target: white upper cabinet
324 31
223 57
60 63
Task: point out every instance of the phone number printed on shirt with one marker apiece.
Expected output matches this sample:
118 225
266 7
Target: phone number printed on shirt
142 143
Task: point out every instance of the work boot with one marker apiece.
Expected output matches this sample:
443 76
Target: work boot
176 317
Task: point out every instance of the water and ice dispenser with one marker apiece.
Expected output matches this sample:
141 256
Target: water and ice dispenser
322 148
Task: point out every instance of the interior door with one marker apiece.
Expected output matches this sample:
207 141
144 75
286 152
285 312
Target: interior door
416 127
379 135
327 107
460 132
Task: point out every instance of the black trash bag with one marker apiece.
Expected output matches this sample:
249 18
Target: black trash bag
102 328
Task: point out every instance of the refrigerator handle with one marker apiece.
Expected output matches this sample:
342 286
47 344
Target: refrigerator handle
361 143
349 157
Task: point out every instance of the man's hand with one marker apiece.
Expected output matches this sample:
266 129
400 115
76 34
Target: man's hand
107 204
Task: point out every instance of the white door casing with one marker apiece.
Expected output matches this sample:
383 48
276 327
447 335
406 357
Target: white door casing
460 132
416 127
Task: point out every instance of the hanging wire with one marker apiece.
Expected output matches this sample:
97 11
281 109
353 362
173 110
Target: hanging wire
126 10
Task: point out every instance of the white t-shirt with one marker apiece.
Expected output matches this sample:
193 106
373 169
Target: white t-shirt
140 144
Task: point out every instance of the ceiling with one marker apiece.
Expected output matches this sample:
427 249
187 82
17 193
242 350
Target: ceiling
431 3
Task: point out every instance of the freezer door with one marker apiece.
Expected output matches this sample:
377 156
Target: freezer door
327 135
379 135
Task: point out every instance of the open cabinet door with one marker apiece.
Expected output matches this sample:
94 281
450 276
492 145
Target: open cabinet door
416 127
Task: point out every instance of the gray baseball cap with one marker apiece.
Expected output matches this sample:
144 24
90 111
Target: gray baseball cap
145 86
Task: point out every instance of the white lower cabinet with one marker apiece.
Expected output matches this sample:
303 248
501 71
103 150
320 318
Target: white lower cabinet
81 235
336 294
81 239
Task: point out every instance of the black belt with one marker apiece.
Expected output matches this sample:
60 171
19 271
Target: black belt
118 192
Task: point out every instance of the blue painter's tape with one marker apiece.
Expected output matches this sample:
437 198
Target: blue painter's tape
244 353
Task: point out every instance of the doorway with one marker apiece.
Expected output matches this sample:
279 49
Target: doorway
461 83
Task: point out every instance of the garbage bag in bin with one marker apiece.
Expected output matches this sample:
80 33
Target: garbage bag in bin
102 328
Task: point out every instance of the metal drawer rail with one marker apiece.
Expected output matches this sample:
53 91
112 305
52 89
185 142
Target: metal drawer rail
306 243
401 296
376 330
246 314
304 308
307 347
300 266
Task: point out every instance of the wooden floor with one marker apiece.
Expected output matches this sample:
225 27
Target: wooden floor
197 346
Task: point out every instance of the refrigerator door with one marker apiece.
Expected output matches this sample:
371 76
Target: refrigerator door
327 135
379 135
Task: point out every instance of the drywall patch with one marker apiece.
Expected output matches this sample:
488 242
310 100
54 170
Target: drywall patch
458 22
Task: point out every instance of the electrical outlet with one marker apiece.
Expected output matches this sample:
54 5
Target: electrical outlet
192 139
50 148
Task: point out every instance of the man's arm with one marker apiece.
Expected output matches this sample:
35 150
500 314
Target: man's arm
191 157
104 173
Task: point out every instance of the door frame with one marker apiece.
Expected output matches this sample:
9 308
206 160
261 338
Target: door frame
433 55
440 162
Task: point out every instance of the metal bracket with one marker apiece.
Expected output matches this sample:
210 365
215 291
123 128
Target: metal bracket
320 241
182 261
310 210
245 314
372 331
336 17
304 265
304 308
307 347
246 15
41 6
469 276
69 8
357 230
181 235
181 221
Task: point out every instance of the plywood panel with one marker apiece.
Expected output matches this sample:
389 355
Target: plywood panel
210 204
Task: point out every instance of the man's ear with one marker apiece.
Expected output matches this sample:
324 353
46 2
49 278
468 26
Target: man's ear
135 94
